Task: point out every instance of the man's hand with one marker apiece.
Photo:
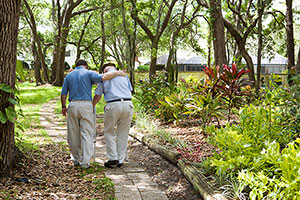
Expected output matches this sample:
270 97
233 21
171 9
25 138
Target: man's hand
63 104
64 111
96 99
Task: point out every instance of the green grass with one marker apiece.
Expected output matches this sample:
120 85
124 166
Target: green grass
31 99
38 95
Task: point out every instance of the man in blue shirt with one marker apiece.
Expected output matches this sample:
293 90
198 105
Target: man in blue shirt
117 113
81 117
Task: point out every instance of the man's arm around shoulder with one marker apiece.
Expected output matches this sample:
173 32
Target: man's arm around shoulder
111 75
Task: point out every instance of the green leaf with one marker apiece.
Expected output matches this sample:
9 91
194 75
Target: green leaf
13 101
3 118
20 70
10 114
6 88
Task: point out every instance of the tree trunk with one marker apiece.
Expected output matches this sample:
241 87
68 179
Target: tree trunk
218 32
153 60
170 69
248 60
9 21
241 45
290 36
259 48
36 63
103 42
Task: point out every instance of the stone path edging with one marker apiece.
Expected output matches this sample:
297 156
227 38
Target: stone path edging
191 173
131 182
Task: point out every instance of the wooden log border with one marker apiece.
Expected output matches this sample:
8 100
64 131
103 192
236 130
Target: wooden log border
194 176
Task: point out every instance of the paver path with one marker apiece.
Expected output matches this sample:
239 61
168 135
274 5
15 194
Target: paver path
131 182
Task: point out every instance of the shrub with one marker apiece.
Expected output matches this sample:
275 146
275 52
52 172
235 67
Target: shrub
172 107
143 68
148 93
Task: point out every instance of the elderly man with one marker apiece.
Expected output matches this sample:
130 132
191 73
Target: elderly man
80 120
117 113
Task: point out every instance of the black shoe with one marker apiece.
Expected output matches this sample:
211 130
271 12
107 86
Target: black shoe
120 165
111 163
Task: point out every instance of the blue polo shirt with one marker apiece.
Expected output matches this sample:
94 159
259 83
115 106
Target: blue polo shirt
79 82
116 88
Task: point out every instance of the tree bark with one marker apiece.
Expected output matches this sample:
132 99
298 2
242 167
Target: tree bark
170 68
290 37
9 21
218 32
153 60
131 45
260 43
103 41
241 42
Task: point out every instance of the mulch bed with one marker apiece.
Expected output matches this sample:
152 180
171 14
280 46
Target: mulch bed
48 174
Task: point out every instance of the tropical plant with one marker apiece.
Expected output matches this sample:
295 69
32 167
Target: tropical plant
172 107
231 86
206 107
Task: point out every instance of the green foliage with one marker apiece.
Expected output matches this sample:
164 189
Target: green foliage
172 107
143 68
262 150
20 72
148 93
205 106
281 180
9 113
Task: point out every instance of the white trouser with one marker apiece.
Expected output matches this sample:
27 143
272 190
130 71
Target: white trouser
117 114
81 131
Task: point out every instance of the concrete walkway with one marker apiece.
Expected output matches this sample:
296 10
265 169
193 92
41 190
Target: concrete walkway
131 182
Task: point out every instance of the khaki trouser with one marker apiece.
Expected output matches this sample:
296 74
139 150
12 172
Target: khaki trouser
117 114
81 131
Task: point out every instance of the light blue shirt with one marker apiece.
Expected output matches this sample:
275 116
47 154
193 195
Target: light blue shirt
79 82
116 88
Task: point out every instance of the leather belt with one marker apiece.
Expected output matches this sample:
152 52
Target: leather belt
119 100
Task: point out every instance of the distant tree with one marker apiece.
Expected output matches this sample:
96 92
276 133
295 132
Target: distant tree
181 20
39 57
61 15
158 26
9 21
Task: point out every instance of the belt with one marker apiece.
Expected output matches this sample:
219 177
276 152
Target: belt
119 100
